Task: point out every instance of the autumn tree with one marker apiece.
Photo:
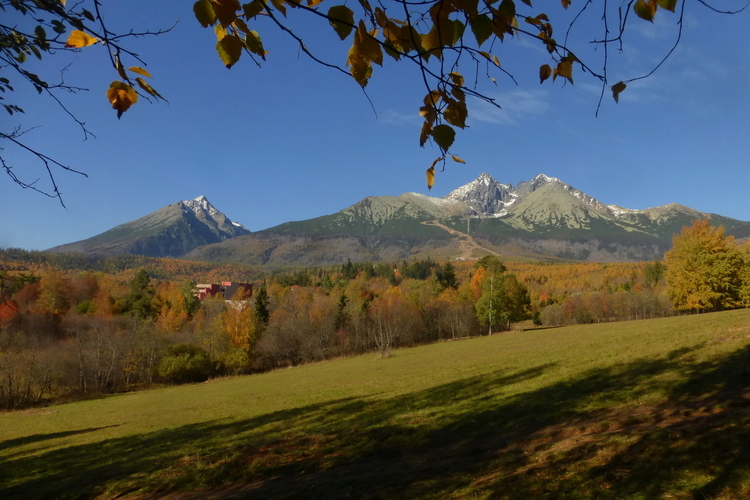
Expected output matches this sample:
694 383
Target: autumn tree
744 294
54 293
703 269
443 40
503 299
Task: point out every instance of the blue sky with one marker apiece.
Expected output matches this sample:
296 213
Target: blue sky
293 140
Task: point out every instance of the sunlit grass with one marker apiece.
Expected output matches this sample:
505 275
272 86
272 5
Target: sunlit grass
647 409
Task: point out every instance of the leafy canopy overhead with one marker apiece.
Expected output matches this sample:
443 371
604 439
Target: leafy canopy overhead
451 43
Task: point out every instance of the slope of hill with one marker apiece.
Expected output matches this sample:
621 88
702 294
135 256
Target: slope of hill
171 231
644 409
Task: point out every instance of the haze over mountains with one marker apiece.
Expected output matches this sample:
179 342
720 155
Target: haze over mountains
541 218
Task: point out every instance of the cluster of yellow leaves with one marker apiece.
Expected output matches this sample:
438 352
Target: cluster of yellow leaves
428 30
646 9
230 19
121 94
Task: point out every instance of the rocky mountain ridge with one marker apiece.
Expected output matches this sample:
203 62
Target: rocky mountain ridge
171 231
541 218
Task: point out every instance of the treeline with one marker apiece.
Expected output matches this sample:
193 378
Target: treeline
159 268
79 334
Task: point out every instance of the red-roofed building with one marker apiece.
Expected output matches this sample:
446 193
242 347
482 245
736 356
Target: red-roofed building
226 288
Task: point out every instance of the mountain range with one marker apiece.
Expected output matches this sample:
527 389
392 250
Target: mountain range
544 218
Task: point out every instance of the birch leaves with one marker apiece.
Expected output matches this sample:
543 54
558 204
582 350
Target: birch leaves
438 36
121 94
233 35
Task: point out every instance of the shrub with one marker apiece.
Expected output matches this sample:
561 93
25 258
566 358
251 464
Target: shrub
185 363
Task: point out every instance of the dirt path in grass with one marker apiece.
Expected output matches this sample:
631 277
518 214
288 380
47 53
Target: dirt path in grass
467 244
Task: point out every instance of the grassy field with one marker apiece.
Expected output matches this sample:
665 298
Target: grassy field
654 409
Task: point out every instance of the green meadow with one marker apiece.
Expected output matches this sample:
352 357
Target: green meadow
655 409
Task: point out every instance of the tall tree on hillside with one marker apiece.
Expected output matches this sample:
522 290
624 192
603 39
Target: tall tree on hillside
703 269
261 305
653 272
54 293
139 301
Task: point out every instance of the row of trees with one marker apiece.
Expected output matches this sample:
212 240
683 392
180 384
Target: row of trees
87 334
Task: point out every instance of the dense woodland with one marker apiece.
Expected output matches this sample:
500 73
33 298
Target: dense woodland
73 327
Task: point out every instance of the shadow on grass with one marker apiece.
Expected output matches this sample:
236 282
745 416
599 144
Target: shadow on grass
35 438
577 438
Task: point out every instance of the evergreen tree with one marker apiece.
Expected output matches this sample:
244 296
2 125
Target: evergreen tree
342 317
448 277
139 301
192 304
261 305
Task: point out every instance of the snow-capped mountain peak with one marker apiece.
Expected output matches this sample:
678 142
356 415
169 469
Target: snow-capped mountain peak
201 203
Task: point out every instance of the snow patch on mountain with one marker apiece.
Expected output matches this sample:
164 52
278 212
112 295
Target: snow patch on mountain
201 203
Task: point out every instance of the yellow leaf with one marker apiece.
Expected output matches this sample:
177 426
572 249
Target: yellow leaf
457 78
360 69
565 70
429 113
667 4
367 45
120 69
226 11
230 49
457 159
279 4
79 39
432 98
204 13
254 44
148 88
342 20
252 9
425 133
645 10
456 113
496 61
565 3
430 177
121 96
544 72
313 3
140 71
616 89
443 135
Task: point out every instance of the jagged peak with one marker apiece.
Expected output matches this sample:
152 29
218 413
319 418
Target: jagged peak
545 178
201 203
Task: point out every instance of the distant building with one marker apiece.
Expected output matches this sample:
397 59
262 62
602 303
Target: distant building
226 288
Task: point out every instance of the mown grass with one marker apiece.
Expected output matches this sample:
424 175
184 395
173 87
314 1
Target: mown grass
639 410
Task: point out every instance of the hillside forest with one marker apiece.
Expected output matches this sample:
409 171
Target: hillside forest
73 327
